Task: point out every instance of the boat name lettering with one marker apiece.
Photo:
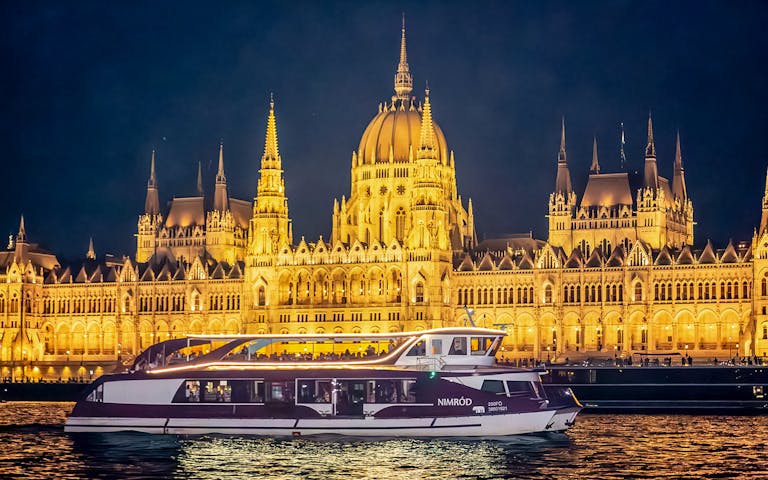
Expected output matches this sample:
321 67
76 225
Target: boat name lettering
454 402
495 404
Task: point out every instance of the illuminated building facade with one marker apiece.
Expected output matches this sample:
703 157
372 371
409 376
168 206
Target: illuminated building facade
616 275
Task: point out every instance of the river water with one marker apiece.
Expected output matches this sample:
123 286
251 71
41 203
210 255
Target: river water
34 445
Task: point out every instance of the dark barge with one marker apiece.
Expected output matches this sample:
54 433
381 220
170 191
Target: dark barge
721 389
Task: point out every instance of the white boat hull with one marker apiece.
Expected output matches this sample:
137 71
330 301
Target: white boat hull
468 426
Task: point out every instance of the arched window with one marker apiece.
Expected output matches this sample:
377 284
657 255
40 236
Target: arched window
638 292
419 292
400 224
763 287
2 304
548 294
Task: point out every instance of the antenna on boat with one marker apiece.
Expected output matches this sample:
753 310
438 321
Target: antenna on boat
470 312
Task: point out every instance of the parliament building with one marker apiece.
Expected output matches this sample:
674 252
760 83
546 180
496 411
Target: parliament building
618 274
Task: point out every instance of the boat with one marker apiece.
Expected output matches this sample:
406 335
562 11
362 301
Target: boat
442 382
665 388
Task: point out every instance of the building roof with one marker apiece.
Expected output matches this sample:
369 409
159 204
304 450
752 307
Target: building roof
607 190
185 212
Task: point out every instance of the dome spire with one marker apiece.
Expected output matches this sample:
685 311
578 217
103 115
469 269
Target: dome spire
403 79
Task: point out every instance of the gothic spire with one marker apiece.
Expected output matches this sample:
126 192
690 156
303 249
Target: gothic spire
563 180
678 181
271 151
595 168
200 179
427 137
152 202
650 148
220 198
91 253
403 79
622 155
650 172
22 235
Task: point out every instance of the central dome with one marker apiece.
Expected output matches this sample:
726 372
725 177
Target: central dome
398 127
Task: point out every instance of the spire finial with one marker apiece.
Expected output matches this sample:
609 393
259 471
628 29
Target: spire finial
595 168
403 79
91 253
650 149
678 154
270 143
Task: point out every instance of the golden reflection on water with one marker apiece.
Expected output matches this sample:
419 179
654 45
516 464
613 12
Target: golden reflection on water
599 446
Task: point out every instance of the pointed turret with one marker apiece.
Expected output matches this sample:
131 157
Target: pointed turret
563 181
595 168
271 151
270 223
650 173
21 237
763 218
678 181
220 198
622 155
427 136
403 80
152 202
91 253
200 179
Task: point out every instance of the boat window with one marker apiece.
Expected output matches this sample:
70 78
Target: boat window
97 394
519 388
437 346
493 386
480 345
390 391
247 391
216 391
280 392
458 346
407 391
314 391
192 391
418 350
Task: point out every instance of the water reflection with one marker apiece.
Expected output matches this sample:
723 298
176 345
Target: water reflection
599 446
211 457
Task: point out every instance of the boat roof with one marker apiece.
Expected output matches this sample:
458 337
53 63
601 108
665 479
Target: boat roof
350 336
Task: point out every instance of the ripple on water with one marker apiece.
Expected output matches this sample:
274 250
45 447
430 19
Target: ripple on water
599 446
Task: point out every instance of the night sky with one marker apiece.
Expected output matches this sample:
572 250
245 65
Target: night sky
89 89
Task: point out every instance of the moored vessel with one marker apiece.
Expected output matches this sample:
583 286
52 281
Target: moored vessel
435 383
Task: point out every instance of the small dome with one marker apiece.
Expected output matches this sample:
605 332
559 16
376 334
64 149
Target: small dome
400 128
